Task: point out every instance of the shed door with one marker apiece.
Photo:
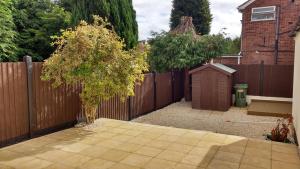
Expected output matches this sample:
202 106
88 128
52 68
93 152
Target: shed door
207 85
210 90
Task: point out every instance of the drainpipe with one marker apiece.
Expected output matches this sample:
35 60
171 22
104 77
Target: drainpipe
241 44
277 27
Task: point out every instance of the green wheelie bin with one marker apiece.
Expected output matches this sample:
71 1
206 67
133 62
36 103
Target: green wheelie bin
241 95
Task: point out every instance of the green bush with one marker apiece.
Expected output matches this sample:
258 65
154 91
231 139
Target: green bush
8 34
181 51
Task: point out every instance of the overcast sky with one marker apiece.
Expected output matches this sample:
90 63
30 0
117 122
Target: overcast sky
154 15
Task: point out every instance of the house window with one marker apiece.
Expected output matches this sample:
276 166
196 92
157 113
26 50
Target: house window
263 13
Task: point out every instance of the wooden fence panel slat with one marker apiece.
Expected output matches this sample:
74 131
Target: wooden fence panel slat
6 102
163 89
2 108
178 86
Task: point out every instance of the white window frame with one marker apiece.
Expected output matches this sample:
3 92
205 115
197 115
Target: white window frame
255 20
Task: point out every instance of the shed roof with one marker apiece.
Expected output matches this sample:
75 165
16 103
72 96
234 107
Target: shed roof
245 5
219 67
296 28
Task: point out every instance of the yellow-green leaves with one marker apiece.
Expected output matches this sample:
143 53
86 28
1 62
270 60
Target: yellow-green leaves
94 56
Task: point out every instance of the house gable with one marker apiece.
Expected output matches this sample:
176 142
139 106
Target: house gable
245 5
268 40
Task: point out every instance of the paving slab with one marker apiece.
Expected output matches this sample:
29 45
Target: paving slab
156 147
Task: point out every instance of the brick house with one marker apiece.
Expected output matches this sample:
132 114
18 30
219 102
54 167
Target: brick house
265 31
265 28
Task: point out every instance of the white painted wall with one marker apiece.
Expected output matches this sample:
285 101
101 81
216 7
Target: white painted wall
250 98
296 97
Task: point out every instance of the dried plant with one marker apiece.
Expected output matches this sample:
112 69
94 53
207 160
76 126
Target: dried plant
282 131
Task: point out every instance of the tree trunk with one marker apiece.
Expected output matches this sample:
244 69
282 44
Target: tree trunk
187 88
90 114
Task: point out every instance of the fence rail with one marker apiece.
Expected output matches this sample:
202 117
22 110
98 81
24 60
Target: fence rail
46 109
266 80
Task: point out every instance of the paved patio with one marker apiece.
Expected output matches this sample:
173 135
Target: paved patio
233 122
111 144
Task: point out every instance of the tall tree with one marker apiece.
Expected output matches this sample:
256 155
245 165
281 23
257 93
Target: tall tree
199 10
7 32
120 14
36 21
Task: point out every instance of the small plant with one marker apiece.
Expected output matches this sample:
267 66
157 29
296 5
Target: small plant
283 131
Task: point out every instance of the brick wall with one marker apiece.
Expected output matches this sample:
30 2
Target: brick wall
258 37
226 60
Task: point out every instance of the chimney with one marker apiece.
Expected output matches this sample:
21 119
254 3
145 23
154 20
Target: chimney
186 26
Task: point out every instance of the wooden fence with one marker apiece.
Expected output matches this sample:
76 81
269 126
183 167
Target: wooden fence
30 107
266 80
13 101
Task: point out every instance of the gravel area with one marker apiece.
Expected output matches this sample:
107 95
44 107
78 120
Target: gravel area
233 122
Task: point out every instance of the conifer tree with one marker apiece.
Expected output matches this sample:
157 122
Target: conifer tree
199 10
120 14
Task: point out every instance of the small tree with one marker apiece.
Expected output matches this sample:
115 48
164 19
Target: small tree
94 56
232 46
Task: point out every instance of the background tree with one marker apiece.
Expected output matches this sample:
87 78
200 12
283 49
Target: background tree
36 21
94 56
120 14
181 51
7 32
232 46
199 10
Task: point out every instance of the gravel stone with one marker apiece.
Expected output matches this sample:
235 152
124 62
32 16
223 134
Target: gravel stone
233 122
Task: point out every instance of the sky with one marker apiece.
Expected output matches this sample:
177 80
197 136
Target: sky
154 15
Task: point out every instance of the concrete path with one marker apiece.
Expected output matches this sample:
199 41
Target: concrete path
111 144
233 122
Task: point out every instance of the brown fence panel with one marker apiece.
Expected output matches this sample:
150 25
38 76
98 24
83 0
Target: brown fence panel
114 108
266 80
163 83
53 107
278 81
14 123
178 85
143 102
249 74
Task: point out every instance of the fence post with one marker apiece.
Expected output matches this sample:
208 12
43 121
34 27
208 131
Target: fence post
173 81
129 107
261 78
29 67
154 86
